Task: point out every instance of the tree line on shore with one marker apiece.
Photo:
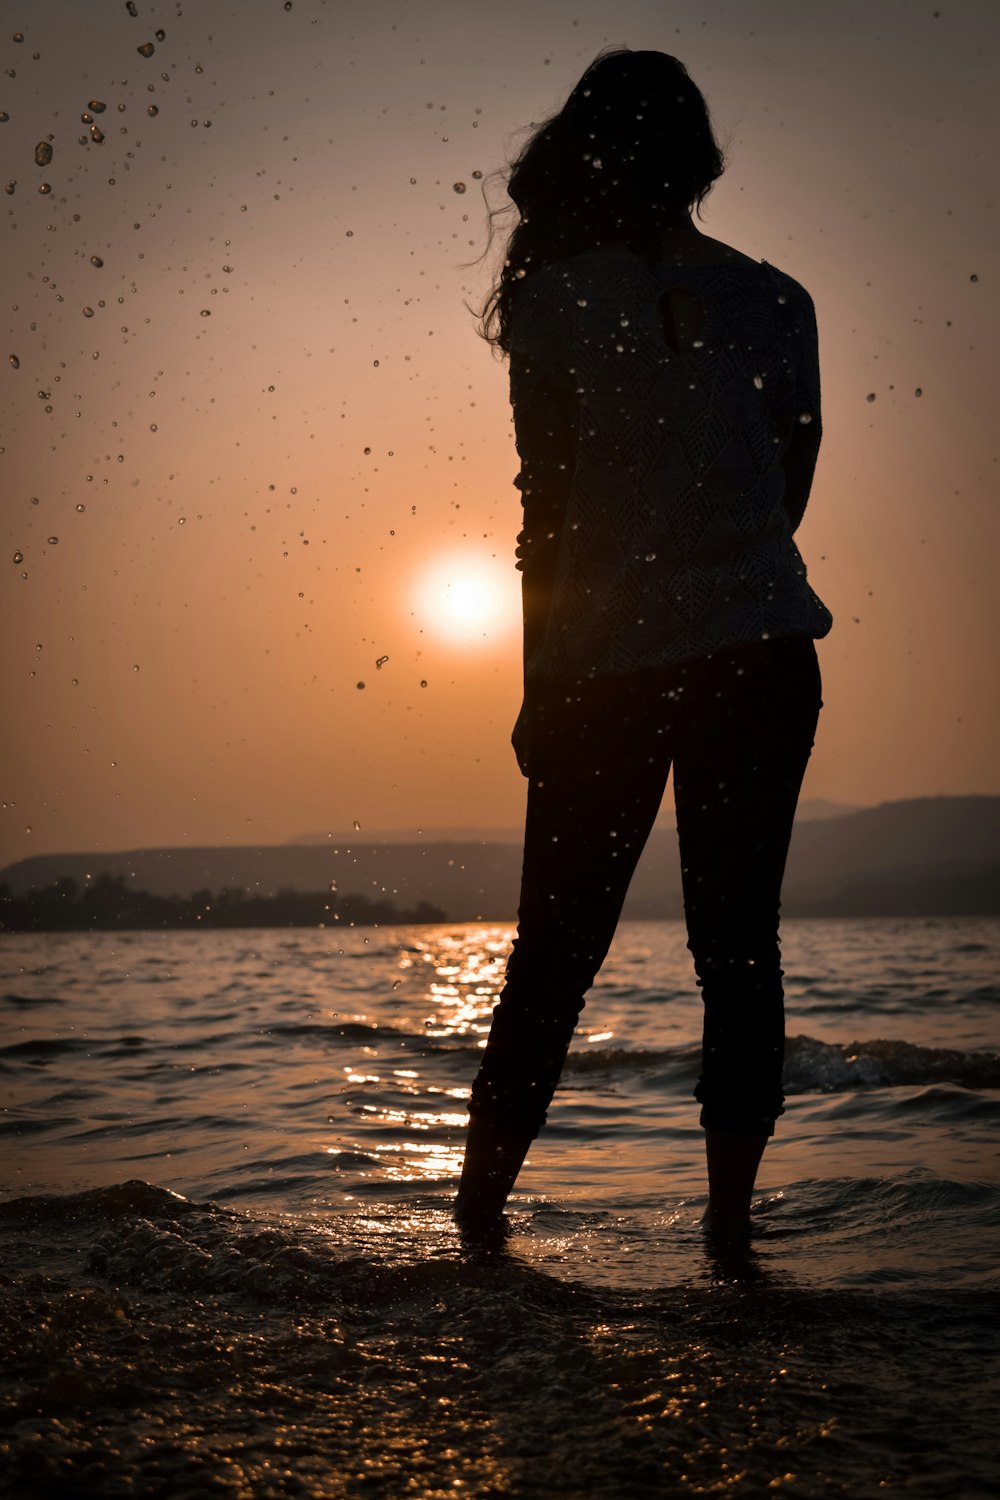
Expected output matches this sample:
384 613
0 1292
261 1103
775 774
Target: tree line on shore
110 903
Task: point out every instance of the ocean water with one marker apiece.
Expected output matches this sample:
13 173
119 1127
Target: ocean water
229 1266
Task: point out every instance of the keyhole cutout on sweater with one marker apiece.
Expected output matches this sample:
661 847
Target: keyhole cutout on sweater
682 317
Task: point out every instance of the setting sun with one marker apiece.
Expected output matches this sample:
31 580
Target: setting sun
469 599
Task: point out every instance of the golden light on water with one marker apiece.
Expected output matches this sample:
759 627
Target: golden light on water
457 981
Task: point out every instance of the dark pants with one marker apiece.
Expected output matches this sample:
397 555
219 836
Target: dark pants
738 729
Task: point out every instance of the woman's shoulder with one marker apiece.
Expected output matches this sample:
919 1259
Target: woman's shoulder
787 288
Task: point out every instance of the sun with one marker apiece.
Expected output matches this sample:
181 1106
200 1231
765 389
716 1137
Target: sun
469 599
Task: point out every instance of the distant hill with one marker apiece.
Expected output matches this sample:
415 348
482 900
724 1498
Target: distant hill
809 810
926 857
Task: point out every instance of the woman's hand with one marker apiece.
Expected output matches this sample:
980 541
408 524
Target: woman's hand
519 739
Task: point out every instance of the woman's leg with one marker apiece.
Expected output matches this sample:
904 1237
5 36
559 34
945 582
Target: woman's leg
741 754
599 760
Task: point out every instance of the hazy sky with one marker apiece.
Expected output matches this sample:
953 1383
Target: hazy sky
245 456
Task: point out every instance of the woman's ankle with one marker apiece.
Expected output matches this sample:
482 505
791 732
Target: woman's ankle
493 1158
733 1160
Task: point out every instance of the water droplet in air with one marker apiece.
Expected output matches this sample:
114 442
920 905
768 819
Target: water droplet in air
870 396
88 312
650 556
161 36
152 110
43 154
805 418
360 685
95 260
19 556
380 662
477 175
368 450
4 117
146 50
288 4
357 826
19 36
758 381
53 541
459 187
10 187
973 277
918 391
97 105
206 312
15 362
96 134
131 7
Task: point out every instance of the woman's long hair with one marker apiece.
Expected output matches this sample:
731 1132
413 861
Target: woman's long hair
631 148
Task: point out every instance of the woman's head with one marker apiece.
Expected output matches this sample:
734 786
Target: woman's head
631 151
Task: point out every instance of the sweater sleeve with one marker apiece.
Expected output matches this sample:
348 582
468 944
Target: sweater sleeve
799 461
545 427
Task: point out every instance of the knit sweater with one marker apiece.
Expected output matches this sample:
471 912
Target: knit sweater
662 478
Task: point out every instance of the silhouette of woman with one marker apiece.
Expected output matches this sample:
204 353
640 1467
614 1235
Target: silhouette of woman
665 392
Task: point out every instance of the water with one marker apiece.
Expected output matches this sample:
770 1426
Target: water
229 1265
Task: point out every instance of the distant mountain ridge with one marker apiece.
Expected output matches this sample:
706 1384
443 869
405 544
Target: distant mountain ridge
810 810
925 857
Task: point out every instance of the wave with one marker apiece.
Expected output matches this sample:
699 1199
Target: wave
812 1066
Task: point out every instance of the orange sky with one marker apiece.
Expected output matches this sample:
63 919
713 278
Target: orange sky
248 503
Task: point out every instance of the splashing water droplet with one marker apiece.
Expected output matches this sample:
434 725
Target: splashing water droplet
380 662
43 154
96 134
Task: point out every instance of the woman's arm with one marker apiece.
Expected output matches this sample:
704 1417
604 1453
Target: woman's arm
545 431
799 461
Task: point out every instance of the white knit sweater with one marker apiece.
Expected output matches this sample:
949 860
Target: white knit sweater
661 488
